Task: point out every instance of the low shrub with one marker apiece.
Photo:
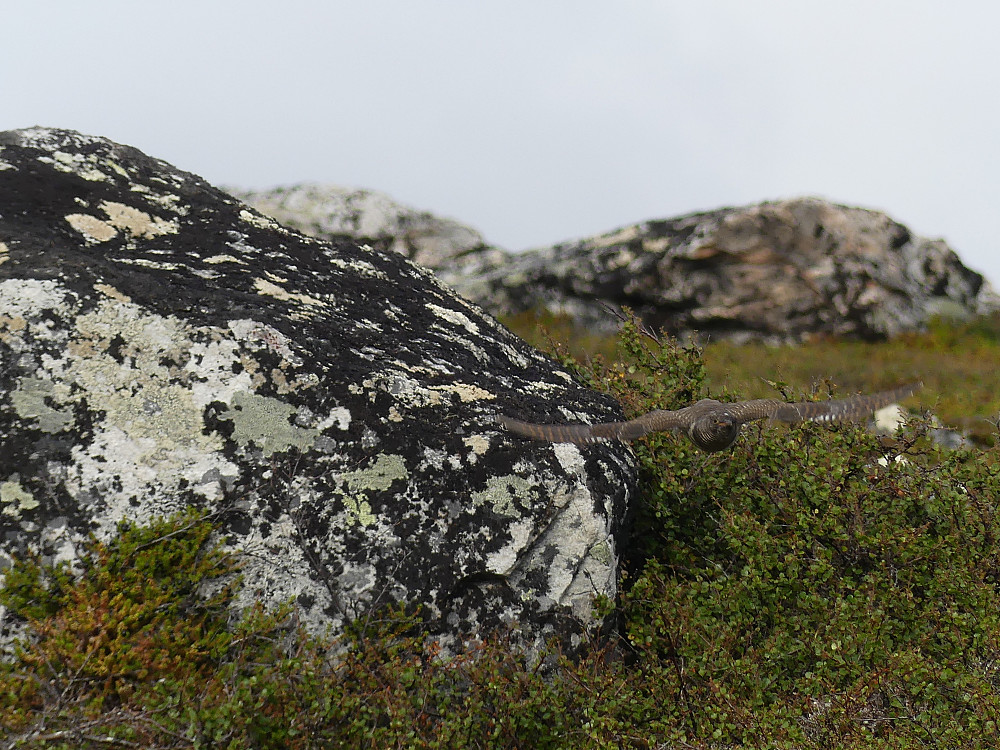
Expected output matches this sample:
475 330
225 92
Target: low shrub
812 587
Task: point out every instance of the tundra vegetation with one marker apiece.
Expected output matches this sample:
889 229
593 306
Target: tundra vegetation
812 587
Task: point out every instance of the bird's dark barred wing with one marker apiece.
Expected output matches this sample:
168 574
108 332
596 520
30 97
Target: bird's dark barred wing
835 410
586 434
855 407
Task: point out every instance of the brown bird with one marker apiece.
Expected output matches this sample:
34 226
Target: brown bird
710 424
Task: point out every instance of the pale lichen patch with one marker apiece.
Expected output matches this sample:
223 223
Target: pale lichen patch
505 559
355 486
24 297
30 402
266 422
137 223
93 229
261 222
453 316
148 334
159 265
519 360
78 164
478 444
377 477
361 267
11 325
285 385
223 258
465 391
14 499
412 393
4 253
339 416
504 494
110 291
260 335
263 286
570 458
601 552
168 201
121 217
359 511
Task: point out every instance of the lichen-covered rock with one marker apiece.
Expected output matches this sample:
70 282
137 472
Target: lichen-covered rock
162 345
456 252
779 271
331 213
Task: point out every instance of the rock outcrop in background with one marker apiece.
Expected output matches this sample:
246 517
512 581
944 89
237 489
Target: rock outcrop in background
162 345
367 216
779 271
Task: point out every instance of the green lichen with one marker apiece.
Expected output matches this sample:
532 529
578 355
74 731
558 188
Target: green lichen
502 493
14 499
602 553
358 511
29 401
379 477
376 478
266 422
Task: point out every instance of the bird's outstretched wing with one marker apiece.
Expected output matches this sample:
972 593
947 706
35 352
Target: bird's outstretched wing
834 410
585 434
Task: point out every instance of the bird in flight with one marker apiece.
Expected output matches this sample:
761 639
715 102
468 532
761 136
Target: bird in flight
710 424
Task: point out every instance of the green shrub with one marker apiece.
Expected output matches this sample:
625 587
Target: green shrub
141 650
811 586
804 589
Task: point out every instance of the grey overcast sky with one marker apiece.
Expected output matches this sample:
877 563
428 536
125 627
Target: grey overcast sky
542 120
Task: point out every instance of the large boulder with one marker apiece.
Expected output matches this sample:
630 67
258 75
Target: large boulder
162 345
777 271
781 271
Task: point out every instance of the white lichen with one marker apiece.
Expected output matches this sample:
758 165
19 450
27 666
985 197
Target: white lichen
261 222
135 222
454 317
271 289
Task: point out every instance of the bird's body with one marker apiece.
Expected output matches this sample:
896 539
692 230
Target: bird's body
710 424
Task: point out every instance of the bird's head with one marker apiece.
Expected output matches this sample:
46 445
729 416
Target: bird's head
715 431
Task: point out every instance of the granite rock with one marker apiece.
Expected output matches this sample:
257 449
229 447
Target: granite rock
331 212
778 271
163 345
